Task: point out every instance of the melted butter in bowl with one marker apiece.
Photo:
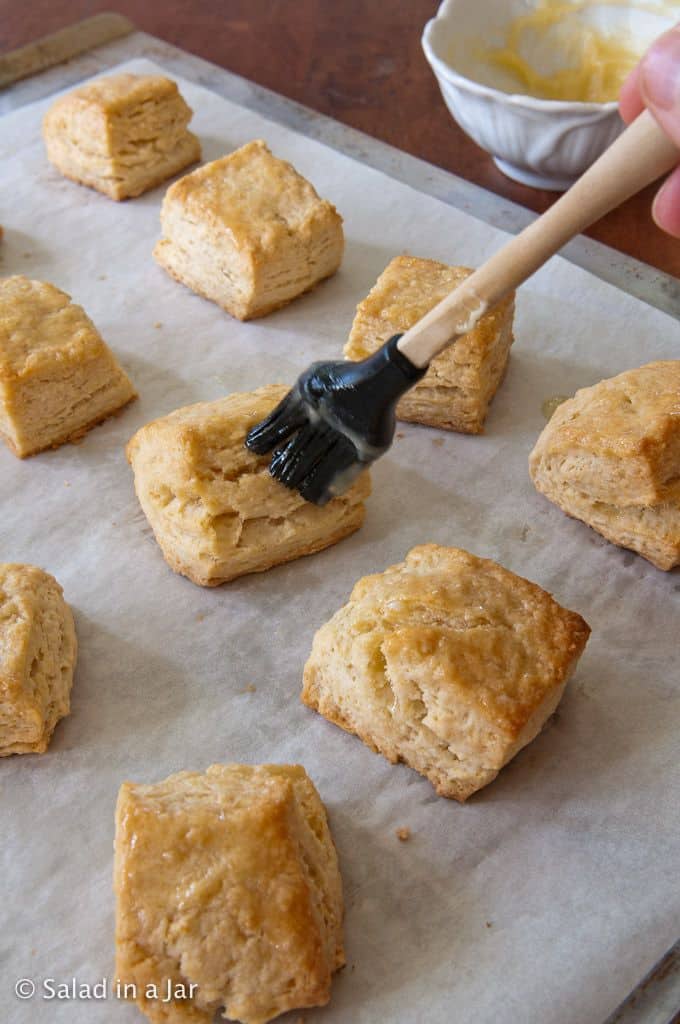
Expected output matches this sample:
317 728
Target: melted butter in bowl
562 51
535 82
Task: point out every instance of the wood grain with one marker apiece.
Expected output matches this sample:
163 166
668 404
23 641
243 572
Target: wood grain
356 60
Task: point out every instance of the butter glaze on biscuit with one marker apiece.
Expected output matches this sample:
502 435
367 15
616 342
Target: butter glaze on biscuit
227 881
213 506
447 662
610 456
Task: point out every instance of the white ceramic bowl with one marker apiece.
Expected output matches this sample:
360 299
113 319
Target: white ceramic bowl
543 143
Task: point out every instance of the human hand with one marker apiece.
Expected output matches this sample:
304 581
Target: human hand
655 84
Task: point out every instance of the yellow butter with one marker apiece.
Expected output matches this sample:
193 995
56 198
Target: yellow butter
595 65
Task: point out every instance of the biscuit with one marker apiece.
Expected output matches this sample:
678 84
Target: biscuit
214 508
228 890
57 377
457 389
447 662
248 232
38 650
122 134
610 456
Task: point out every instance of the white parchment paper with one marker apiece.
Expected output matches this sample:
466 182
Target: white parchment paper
549 895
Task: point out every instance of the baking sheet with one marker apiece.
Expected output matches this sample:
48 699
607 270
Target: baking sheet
548 895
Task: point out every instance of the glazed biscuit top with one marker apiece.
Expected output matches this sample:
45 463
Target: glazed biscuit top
255 197
406 290
625 415
229 835
468 630
116 94
199 451
197 454
40 328
619 441
237 788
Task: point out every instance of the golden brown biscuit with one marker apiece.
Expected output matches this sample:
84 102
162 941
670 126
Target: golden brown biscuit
38 650
610 456
457 389
122 134
57 377
215 510
228 891
447 662
248 232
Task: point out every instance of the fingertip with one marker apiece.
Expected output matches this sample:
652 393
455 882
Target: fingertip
666 205
630 96
659 81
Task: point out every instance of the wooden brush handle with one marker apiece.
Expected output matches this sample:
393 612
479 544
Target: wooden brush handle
640 155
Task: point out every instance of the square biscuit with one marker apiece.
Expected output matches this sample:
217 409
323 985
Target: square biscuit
216 511
121 134
57 376
38 651
610 456
457 389
227 890
248 232
447 662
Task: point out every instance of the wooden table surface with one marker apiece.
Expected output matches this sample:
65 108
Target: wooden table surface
359 61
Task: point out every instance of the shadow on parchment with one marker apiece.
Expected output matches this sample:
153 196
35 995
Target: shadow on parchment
325 314
533 377
18 251
159 390
402 920
111 714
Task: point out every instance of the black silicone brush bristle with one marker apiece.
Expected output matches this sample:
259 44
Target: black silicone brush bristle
337 419
314 461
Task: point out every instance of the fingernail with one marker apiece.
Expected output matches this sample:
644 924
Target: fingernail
666 206
660 72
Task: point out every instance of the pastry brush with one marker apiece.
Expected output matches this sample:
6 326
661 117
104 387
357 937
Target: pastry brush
340 416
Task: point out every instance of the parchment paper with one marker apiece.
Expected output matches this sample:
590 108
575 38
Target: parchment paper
550 894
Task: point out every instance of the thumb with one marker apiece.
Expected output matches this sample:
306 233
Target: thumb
660 82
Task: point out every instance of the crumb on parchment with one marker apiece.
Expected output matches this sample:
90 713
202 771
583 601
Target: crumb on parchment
403 834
